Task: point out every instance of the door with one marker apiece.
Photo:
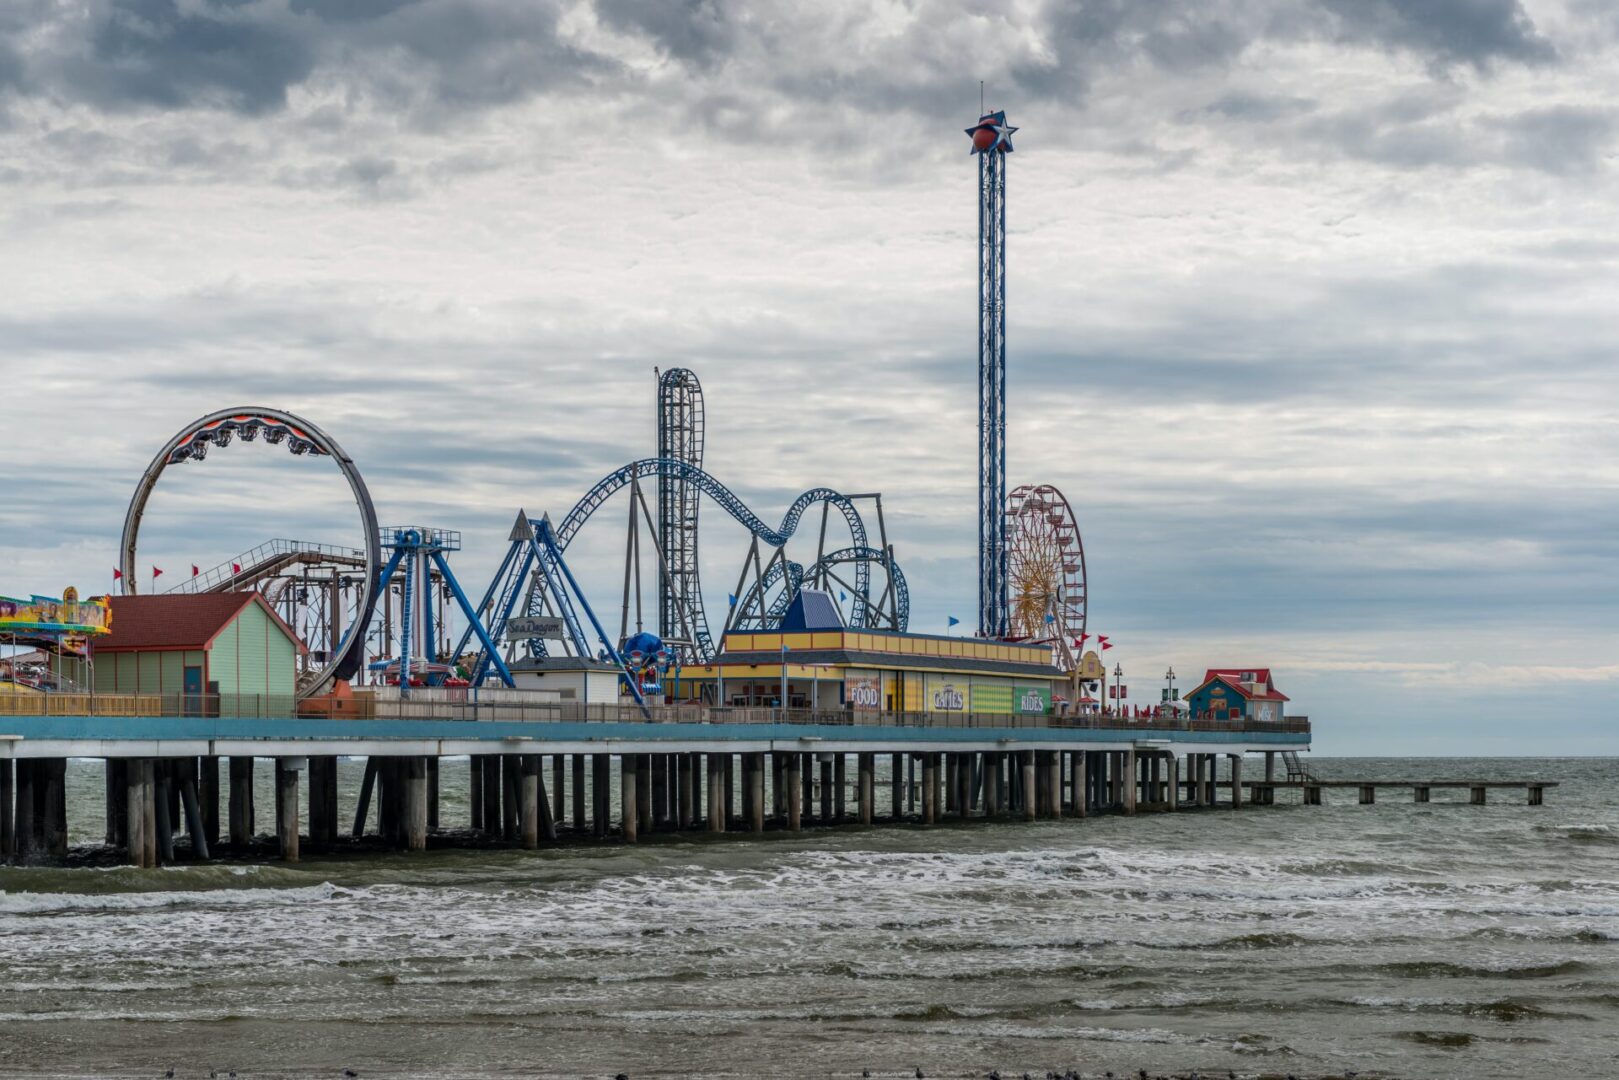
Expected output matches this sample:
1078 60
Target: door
193 690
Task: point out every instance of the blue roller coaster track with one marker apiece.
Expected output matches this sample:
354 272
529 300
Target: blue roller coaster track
683 471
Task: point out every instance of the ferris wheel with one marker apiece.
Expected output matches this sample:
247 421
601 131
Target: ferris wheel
1045 569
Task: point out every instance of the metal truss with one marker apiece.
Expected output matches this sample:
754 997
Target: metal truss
992 559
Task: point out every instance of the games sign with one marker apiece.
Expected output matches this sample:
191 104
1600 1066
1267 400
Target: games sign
949 698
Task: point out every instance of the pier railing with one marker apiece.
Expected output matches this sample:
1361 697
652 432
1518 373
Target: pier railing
508 706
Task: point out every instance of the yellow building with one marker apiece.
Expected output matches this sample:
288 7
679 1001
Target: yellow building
875 670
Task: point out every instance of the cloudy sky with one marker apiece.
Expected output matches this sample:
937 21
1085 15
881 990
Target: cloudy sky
1312 303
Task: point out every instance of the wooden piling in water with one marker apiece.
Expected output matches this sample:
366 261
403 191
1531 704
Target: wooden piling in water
683 781
1131 781
866 794
162 786
1236 781
141 809
474 791
362 809
716 793
529 799
193 815
756 792
793 784
8 810
578 769
600 794
241 803
559 806
286 785
208 795
643 794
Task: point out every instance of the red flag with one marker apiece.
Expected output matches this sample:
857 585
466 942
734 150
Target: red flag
1079 642
1106 645
194 570
117 574
156 573
236 568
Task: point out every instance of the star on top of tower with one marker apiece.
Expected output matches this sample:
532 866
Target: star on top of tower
992 132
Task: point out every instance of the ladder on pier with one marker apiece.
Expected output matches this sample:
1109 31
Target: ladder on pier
1296 772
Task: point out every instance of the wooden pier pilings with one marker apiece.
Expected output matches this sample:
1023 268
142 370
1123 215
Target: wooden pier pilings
163 799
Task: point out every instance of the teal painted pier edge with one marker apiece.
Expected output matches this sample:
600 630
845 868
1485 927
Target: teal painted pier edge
533 782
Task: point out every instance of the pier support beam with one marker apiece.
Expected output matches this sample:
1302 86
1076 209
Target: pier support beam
1029 785
241 803
992 785
529 800
1054 784
1236 781
141 808
208 795
1420 793
866 768
756 792
628 785
826 789
1312 794
601 780
683 781
1537 795
840 785
1132 781
413 774
322 802
1477 794
162 789
930 788
362 808
793 782
432 793
1173 767
8 804
896 784
1368 794
644 805
286 785
193 813
578 794
716 793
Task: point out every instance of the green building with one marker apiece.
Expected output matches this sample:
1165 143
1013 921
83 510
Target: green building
215 653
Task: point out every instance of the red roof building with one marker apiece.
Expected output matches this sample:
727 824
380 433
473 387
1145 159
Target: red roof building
1237 693
202 645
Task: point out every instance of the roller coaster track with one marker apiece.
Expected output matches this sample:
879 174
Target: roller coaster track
689 474
858 555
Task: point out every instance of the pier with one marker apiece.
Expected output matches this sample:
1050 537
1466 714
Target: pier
540 774
1263 792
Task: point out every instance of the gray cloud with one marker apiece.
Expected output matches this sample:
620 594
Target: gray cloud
1476 32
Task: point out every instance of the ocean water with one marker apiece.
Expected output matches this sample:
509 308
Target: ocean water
1438 940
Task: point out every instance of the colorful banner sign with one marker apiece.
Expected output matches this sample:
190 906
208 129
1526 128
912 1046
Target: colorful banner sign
948 697
43 615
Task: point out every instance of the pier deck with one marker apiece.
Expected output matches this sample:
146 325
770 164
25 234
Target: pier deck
535 770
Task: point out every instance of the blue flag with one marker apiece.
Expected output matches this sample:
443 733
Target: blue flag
732 598
843 596
954 621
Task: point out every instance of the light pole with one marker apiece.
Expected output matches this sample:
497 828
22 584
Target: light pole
1169 697
1118 689
784 682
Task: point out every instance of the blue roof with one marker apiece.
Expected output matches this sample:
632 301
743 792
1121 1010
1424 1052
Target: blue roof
812 609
